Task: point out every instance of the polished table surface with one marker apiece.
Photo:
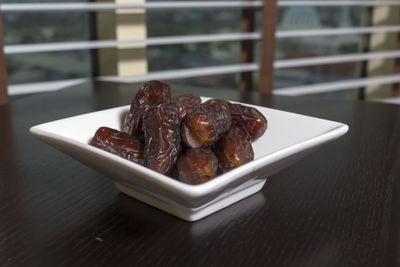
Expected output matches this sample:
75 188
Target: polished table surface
339 206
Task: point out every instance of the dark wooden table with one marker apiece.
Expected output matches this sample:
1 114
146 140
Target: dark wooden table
339 206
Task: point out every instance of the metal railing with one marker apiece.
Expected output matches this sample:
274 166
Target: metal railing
204 71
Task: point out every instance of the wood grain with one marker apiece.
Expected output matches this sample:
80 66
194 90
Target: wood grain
339 206
269 18
3 70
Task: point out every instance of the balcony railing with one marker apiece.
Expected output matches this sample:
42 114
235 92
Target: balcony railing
204 71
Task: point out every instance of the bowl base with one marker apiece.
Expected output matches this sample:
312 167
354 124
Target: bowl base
189 213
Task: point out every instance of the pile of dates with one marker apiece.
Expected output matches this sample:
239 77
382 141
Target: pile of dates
182 137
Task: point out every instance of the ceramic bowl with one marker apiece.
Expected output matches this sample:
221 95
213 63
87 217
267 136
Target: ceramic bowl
288 138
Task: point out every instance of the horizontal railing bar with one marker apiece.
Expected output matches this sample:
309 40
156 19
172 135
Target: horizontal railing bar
340 31
38 87
336 86
170 40
315 61
183 73
390 100
337 3
35 7
27 88
152 41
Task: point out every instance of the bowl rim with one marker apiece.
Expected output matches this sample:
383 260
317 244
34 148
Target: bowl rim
182 188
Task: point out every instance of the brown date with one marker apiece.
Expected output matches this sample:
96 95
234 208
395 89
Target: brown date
150 93
162 141
197 166
250 118
233 149
119 143
206 123
185 104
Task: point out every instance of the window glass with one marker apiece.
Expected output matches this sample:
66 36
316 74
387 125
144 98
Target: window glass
42 27
45 27
39 67
290 18
319 18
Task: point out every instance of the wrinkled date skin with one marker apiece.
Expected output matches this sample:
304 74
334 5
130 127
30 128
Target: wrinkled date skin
185 104
162 141
197 166
119 143
206 123
150 93
233 149
250 118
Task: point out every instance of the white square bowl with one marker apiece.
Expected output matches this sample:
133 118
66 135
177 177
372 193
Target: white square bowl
288 138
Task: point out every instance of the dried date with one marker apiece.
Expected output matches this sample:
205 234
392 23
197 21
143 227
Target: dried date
250 118
197 166
162 141
119 143
185 104
206 123
217 134
233 149
150 93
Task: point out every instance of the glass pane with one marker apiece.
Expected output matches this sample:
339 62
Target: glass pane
40 27
291 18
308 18
44 27
39 67
197 21
24 28
193 55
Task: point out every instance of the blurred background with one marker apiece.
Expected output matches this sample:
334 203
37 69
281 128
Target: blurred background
50 27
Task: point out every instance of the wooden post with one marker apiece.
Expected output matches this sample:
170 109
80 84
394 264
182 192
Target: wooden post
382 41
396 86
363 47
247 47
122 25
3 69
269 19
